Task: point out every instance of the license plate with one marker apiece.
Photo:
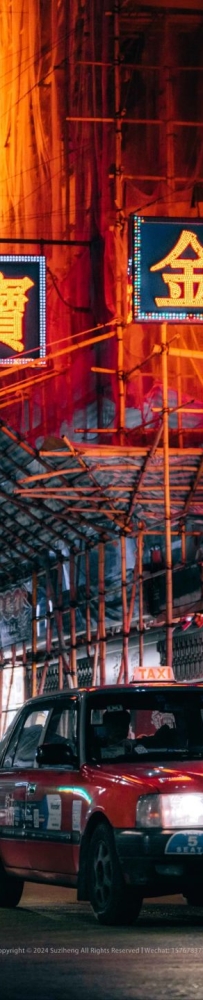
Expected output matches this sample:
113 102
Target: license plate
185 843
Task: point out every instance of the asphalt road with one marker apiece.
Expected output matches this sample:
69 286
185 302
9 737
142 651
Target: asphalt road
52 947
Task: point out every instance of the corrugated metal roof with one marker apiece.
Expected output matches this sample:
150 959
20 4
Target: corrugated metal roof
51 499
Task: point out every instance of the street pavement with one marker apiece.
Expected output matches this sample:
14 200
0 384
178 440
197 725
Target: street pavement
52 948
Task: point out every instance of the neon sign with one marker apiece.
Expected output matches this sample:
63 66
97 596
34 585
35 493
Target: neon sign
22 309
167 270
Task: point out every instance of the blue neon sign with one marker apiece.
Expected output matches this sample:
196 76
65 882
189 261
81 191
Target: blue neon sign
167 270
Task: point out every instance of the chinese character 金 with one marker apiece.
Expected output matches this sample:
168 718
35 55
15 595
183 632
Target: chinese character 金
186 282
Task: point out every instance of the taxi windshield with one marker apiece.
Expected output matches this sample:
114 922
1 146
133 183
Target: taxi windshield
133 725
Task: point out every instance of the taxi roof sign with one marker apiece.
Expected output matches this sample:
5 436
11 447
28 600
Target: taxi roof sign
149 675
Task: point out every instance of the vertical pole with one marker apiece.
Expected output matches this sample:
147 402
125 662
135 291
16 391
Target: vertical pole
72 619
60 612
102 622
124 608
180 443
167 505
179 402
140 578
13 656
96 654
130 615
25 695
168 134
119 219
88 615
34 633
48 638
48 618
43 677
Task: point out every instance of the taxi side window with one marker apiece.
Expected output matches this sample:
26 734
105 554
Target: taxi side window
25 751
63 727
8 759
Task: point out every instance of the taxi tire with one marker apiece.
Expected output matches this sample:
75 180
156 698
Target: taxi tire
195 896
132 904
112 901
11 889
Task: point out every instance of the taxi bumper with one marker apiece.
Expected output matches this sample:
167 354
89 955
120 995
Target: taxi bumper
160 861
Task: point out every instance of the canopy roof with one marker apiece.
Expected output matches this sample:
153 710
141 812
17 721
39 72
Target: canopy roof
63 496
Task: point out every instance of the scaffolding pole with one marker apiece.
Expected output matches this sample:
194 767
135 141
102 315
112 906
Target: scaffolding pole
180 410
125 609
13 660
60 612
24 660
95 661
48 641
167 505
140 578
118 220
34 634
73 619
130 613
102 622
88 613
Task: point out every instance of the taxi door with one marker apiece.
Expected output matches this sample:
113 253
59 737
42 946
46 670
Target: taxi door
54 801
14 781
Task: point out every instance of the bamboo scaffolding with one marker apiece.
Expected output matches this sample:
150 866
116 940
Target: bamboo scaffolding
131 451
138 486
140 581
48 640
102 623
34 633
119 220
180 442
135 121
91 476
167 507
124 609
130 612
13 659
24 671
43 677
180 352
87 591
60 613
78 493
110 451
73 645
59 626
95 661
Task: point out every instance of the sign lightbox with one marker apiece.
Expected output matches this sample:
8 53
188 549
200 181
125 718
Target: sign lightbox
22 308
167 269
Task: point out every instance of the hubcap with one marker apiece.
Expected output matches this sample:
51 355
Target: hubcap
103 873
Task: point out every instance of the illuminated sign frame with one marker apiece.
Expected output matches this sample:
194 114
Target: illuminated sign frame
23 304
166 267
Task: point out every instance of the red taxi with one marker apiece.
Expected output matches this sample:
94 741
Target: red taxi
102 790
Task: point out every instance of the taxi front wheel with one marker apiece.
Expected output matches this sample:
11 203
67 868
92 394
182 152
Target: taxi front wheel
11 889
194 896
112 901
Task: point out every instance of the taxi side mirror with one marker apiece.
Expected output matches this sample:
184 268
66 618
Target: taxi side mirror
55 753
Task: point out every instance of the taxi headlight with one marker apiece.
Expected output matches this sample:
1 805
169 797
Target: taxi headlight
175 811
